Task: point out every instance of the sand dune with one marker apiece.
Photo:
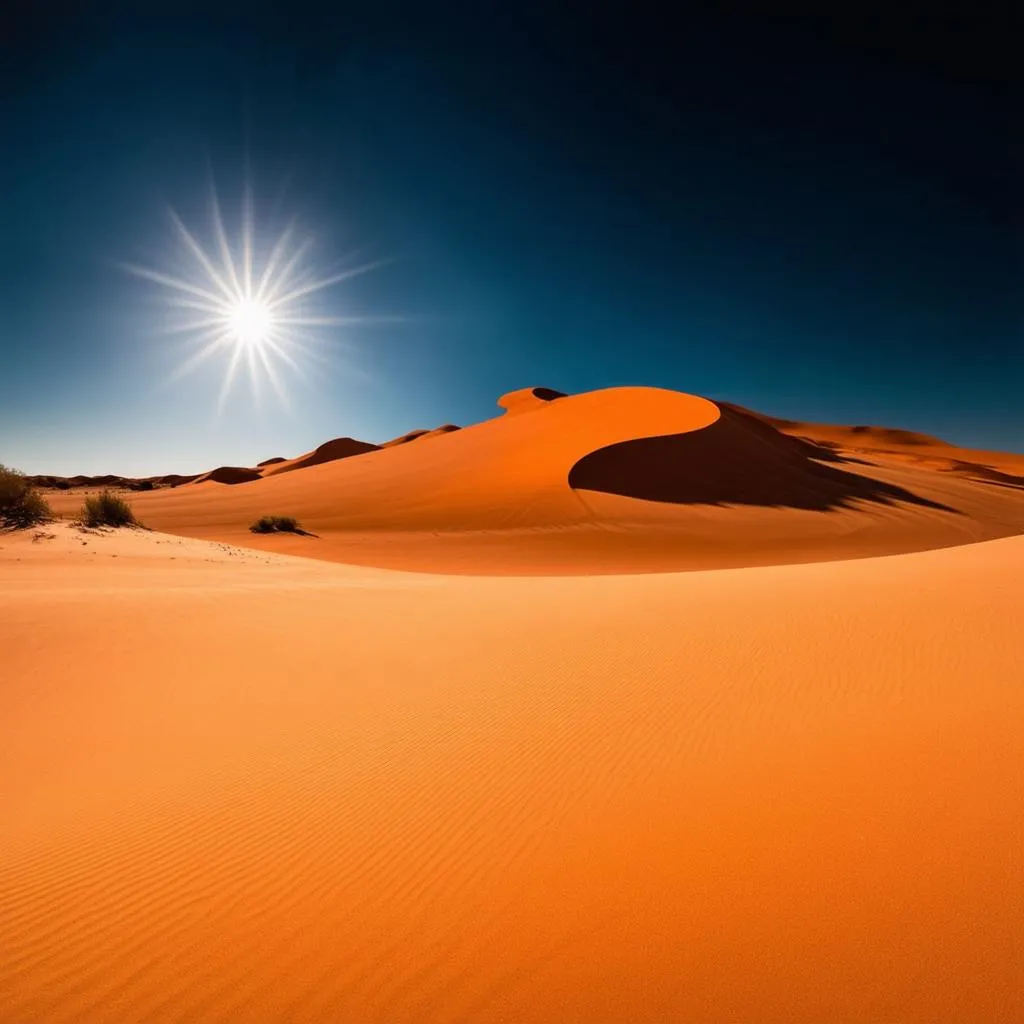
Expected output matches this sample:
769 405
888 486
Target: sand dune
339 448
228 475
411 435
620 480
417 435
243 787
906 445
881 437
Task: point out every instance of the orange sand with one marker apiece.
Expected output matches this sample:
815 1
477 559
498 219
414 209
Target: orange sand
242 786
246 787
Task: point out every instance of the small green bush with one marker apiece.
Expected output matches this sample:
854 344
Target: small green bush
21 504
107 509
276 524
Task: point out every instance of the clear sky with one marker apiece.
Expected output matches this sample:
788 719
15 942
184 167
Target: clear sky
816 219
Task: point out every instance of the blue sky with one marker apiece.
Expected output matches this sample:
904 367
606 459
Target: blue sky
816 225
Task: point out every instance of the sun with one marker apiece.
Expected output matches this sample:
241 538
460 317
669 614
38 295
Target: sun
250 322
252 300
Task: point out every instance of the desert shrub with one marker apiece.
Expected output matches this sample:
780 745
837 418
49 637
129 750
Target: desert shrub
20 503
276 524
107 509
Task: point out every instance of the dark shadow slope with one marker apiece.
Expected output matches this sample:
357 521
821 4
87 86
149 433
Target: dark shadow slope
737 460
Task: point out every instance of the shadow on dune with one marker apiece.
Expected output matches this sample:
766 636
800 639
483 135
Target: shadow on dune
986 474
737 460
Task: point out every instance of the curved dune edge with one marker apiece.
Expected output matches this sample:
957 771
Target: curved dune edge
240 787
228 475
526 399
420 435
619 480
329 451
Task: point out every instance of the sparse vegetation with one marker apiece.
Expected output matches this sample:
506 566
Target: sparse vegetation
276 524
21 505
107 509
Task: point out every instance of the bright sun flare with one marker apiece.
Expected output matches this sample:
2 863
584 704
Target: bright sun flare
248 302
250 322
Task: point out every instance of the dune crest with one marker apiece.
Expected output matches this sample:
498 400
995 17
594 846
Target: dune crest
405 438
329 451
420 435
526 399
860 434
228 475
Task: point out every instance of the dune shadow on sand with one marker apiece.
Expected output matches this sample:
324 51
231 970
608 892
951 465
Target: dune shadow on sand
737 460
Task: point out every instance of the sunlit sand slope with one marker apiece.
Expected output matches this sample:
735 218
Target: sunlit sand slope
242 787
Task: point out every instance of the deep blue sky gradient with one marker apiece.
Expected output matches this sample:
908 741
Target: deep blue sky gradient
813 218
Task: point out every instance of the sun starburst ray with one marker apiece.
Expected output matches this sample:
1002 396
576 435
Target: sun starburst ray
247 230
171 282
325 282
271 372
284 279
222 242
229 377
335 321
278 251
197 251
191 326
214 308
211 341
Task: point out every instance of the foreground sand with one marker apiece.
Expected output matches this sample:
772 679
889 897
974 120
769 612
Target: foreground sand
246 787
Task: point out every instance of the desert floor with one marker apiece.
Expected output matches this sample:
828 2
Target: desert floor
240 786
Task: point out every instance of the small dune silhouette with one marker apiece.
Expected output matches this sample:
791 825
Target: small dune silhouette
329 451
419 435
412 435
229 475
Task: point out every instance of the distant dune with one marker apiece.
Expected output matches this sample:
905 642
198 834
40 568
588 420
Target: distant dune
416 435
412 435
339 448
883 437
228 475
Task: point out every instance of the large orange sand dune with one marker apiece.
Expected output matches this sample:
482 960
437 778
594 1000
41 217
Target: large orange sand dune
242 787
619 480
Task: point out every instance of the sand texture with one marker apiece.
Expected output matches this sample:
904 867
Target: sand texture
247 787
546 776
